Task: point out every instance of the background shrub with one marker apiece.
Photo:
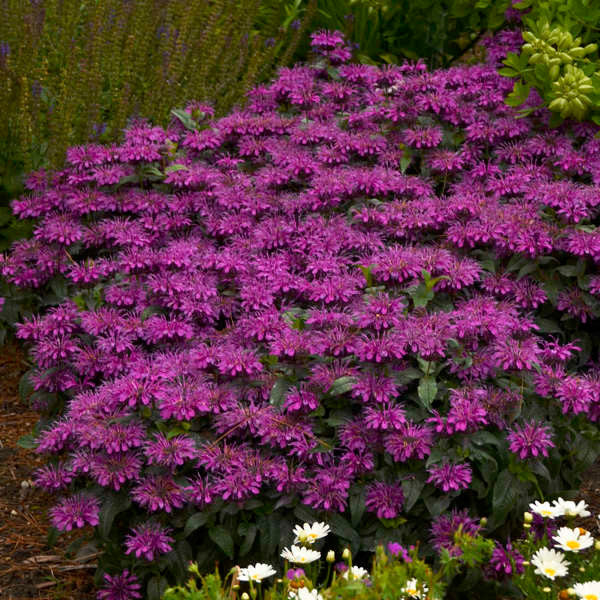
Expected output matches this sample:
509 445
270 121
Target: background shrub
384 31
76 71
558 57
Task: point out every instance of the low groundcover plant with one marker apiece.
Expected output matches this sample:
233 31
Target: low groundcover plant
368 299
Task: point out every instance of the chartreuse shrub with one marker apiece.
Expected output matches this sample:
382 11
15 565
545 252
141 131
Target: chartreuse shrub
389 31
77 70
368 298
552 558
558 57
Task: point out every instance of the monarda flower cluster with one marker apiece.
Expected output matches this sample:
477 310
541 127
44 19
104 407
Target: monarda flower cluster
330 292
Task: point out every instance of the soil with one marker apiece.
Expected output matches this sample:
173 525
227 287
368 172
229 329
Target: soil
32 570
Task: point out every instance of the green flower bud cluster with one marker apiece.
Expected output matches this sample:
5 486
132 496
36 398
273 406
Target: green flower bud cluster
571 93
553 48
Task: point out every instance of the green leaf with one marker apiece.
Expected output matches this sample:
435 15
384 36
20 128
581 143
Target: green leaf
421 295
27 441
412 489
185 118
506 490
357 506
436 505
52 537
342 385
222 538
25 385
249 531
176 167
427 391
278 391
112 505
343 529
194 522
156 587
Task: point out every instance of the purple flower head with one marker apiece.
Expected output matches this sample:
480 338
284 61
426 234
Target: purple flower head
159 492
125 586
76 511
397 549
449 476
504 562
170 453
295 573
530 440
149 540
445 526
384 499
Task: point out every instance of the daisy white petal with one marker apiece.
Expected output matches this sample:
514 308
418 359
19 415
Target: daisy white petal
300 554
573 540
589 590
572 509
256 572
308 534
550 563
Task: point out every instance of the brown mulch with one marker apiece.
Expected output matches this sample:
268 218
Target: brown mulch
29 568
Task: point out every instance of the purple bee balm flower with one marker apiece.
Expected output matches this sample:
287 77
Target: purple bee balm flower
158 492
295 573
76 511
384 499
530 440
450 477
445 526
149 540
125 586
397 549
53 477
170 453
504 562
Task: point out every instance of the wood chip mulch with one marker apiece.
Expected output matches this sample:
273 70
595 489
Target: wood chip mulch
29 569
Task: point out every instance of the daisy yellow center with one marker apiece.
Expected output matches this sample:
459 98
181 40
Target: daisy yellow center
255 576
312 535
573 544
546 513
550 572
590 597
411 591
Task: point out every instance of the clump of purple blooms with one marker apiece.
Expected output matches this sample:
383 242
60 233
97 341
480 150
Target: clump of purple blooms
331 291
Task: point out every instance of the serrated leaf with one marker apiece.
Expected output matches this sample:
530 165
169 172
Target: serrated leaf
25 385
357 506
436 505
222 538
343 529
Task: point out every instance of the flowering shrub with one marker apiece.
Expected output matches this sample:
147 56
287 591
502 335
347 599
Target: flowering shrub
336 303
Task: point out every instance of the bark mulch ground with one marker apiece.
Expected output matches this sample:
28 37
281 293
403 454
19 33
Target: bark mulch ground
29 568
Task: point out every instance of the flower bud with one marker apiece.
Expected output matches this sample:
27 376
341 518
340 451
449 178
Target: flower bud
193 569
582 569
245 596
546 589
527 517
483 521
330 556
346 553
526 525
597 545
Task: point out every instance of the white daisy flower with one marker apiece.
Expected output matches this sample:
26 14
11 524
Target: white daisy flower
571 509
573 540
550 563
256 572
300 554
304 593
590 590
414 589
357 573
545 509
308 534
